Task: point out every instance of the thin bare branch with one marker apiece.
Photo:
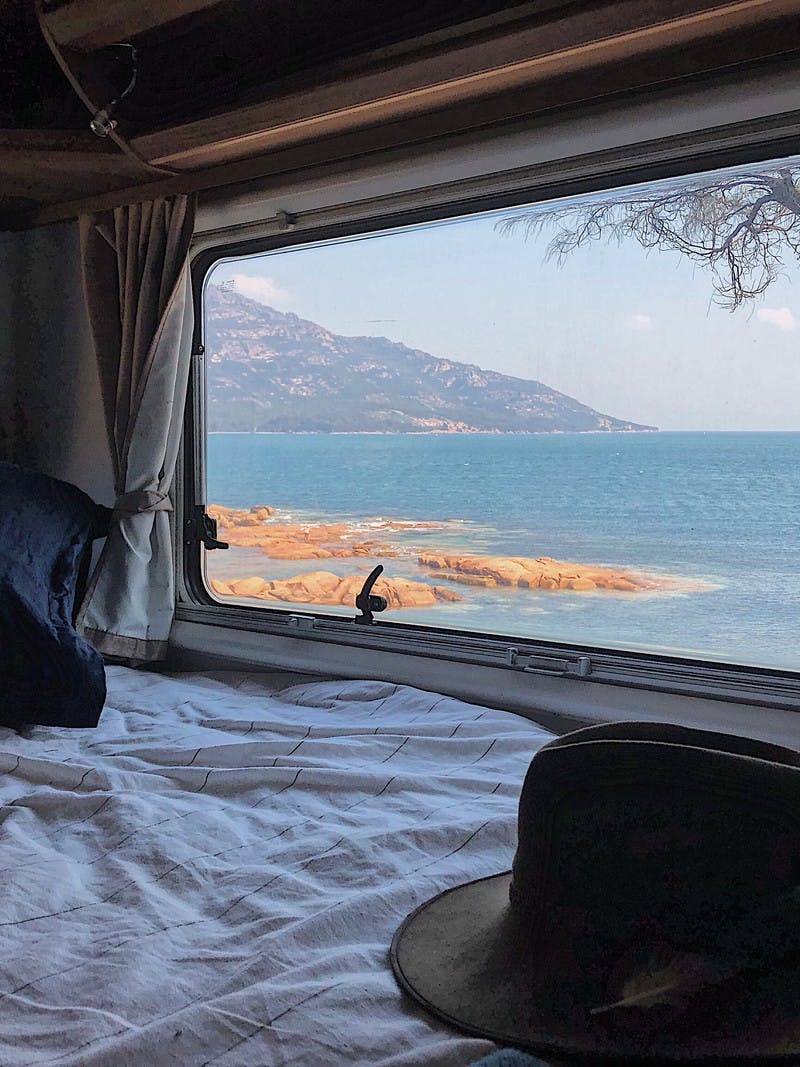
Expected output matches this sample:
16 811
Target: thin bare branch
739 227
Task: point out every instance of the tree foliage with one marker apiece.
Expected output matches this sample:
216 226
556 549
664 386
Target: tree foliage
741 226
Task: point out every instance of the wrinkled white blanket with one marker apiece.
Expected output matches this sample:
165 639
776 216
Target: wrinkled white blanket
214 875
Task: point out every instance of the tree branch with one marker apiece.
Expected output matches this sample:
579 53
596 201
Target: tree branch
723 224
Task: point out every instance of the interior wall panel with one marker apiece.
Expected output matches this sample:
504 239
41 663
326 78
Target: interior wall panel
59 427
10 244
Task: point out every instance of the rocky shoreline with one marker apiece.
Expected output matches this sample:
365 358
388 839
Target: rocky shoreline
261 528
254 528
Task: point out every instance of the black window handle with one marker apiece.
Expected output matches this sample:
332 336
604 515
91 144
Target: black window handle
201 527
366 602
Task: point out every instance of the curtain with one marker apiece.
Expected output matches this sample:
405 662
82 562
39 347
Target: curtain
138 295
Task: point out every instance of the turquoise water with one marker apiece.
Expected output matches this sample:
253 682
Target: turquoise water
721 509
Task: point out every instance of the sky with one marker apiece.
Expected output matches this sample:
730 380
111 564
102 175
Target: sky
633 334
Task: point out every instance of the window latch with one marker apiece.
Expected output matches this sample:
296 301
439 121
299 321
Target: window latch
201 527
366 602
534 663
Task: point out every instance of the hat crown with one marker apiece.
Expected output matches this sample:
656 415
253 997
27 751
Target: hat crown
640 831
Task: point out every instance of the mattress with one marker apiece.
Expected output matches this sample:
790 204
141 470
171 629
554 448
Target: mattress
215 873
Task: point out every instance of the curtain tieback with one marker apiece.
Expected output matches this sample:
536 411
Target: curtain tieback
142 500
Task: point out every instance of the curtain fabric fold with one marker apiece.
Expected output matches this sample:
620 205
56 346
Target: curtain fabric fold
138 294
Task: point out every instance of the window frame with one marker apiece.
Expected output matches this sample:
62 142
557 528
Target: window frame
636 670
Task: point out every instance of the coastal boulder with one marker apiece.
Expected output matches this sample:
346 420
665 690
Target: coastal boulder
326 589
466 579
448 596
578 584
543 573
295 550
249 587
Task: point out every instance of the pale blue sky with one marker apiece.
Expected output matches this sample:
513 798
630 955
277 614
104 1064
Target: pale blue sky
633 334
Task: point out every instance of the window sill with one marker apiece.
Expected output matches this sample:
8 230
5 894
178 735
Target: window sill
202 640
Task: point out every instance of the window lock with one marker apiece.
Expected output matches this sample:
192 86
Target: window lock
201 527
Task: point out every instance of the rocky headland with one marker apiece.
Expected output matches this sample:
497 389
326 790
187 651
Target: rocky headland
261 528
271 371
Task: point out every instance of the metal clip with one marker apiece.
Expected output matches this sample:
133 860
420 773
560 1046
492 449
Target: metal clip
285 220
583 666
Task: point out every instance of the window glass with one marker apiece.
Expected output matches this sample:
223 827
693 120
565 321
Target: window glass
576 421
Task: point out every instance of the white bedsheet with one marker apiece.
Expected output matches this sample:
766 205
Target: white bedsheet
214 875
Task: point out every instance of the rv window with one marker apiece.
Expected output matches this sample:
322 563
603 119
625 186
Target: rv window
573 422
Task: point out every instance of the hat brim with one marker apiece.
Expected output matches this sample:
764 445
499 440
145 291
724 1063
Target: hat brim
461 956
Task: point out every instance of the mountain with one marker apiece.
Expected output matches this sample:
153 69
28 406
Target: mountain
267 370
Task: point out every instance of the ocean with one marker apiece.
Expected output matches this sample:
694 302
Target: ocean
719 511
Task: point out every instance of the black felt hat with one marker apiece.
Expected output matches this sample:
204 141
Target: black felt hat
652 912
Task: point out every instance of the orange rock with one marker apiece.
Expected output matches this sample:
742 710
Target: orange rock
403 593
622 585
438 563
579 585
544 573
466 579
505 571
229 517
535 581
447 595
251 587
326 589
295 550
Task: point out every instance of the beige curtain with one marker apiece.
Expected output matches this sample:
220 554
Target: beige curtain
138 294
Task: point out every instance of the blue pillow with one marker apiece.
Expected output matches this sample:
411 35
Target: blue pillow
48 673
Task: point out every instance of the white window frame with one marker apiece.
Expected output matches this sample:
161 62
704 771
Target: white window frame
716 125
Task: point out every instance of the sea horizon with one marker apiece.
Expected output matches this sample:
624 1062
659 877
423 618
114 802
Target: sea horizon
482 433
